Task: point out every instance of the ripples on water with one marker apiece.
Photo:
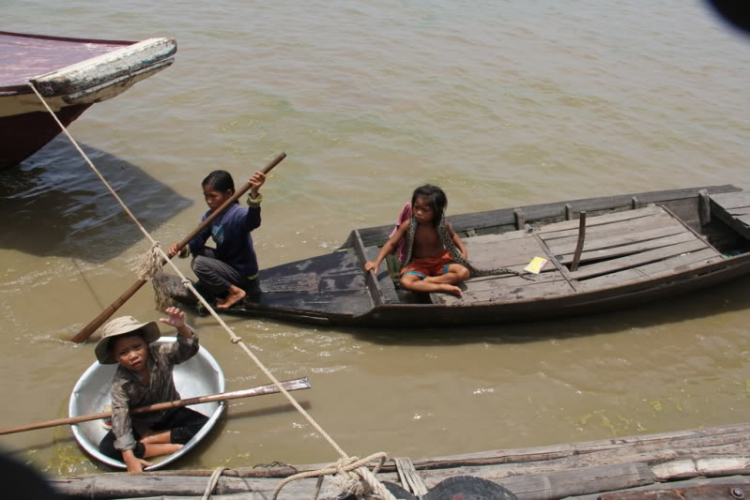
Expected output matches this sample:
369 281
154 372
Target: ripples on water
500 103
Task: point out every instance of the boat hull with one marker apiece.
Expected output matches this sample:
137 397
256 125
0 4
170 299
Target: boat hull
27 133
71 75
199 376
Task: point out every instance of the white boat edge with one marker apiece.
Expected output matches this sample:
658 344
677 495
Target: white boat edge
94 80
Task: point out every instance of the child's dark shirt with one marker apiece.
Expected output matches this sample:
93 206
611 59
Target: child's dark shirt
128 392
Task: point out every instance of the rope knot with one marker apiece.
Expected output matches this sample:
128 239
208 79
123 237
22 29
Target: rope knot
236 340
151 267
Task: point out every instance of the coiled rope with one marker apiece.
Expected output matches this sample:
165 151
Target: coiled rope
148 267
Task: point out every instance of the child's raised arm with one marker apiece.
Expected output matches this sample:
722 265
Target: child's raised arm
389 246
457 241
176 318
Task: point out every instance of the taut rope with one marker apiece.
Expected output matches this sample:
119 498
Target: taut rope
453 250
156 250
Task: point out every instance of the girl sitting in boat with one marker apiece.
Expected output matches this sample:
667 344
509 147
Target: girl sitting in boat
433 249
143 378
228 272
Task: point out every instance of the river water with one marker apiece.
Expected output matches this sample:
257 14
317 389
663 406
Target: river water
500 103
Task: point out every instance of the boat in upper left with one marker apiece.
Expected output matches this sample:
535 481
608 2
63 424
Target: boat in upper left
71 74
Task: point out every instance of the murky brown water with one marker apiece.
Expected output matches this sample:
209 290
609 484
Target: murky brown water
500 103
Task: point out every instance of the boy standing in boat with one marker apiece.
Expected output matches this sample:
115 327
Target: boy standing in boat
144 377
429 266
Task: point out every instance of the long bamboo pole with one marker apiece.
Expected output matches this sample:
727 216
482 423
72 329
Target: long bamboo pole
109 311
289 385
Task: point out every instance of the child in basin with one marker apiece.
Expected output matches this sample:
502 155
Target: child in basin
144 377
429 266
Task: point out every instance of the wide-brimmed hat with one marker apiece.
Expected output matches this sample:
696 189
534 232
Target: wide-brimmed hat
121 326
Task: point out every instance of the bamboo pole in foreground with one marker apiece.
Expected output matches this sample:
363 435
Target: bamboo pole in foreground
289 385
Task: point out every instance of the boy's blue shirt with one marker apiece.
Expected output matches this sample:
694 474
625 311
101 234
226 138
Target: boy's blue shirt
231 234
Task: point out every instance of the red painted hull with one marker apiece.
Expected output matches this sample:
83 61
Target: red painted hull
23 135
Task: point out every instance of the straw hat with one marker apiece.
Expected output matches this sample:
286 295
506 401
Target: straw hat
121 326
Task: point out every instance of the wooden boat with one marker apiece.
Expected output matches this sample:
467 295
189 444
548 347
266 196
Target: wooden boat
702 464
637 248
199 376
71 74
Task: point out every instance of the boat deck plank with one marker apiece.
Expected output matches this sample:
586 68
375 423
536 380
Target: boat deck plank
620 248
599 235
638 259
24 56
333 283
513 251
681 263
734 210
627 248
570 227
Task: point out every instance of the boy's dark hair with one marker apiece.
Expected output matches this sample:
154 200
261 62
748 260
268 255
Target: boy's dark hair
219 180
435 197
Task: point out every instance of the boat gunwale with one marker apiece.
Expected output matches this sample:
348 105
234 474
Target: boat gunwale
463 222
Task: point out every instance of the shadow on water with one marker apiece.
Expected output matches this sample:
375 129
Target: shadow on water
54 205
730 297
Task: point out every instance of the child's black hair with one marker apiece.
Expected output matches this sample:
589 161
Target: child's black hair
435 197
219 180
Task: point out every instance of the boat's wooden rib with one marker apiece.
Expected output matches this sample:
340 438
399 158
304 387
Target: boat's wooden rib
637 248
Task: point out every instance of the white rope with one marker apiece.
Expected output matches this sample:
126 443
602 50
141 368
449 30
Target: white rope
213 481
96 171
155 247
351 473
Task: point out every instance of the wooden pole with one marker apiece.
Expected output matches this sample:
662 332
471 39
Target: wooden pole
109 311
581 238
289 385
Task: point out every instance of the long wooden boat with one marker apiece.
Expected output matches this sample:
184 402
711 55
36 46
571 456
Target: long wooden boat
199 376
71 74
637 248
702 464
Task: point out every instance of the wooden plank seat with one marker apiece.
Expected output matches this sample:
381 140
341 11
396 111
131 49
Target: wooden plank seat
619 248
734 210
513 250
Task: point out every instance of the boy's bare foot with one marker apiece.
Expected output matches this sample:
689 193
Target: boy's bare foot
234 295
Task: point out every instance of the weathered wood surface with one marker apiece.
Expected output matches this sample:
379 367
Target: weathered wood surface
113 67
734 210
23 56
532 473
693 489
712 489
489 220
409 477
620 248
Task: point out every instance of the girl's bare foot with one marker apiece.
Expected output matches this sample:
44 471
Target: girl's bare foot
451 289
234 295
